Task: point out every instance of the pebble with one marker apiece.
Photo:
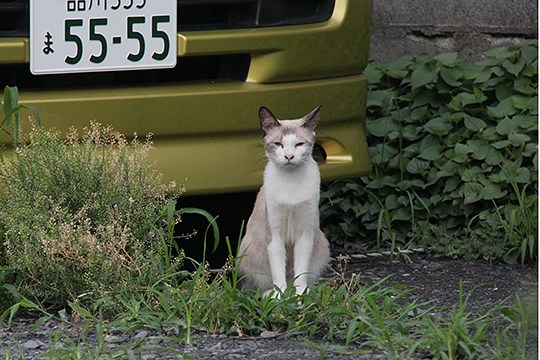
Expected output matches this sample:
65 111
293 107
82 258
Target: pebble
141 335
433 266
32 345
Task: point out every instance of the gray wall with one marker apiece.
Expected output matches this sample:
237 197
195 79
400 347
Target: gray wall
412 27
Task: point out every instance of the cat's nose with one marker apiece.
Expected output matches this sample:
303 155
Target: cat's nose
289 157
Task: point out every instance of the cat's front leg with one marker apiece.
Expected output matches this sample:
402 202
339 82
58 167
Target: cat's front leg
303 249
277 258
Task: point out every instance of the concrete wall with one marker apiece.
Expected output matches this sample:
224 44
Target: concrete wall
411 27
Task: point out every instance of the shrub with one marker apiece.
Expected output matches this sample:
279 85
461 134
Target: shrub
454 150
82 215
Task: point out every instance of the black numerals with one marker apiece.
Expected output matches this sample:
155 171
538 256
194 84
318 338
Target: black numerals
136 37
70 37
95 36
156 33
133 34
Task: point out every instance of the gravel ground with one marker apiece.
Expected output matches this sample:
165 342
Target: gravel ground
431 279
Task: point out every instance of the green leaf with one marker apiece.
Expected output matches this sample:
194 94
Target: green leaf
391 202
448 168
457 117
506 126
423 96
523 176
472 192
507 106
501 144
496 112
492 192
402 214
474 124
430 148
8 105
382 127
485 75
530 71
518 139
529 150
527 122
479 148
462 149
471 174
499 53
447 59
411 132
423 75
382 153
398 69
514 68
378 98
438 126
451 184
417 166
419 113
493 157
471 71
431 153
523 86
524 102
451 76
502 91
373 73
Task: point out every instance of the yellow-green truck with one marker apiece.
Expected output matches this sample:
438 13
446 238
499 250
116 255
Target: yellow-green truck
194 74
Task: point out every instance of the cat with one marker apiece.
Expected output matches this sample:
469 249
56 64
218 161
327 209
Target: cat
283 244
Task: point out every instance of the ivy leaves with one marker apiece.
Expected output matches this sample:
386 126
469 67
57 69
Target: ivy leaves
449 140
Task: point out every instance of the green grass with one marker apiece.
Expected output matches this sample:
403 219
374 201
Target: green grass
339 315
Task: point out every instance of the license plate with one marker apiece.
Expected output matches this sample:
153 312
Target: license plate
69 36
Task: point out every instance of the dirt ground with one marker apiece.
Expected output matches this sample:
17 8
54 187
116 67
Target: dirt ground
433 279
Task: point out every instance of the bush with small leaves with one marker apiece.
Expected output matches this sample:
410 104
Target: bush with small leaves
83 217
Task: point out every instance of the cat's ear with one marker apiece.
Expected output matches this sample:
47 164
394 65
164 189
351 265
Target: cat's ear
268 120
310 120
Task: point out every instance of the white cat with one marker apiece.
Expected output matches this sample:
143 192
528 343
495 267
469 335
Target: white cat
283 243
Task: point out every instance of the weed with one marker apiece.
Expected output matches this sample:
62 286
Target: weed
449 140
10 119
82 217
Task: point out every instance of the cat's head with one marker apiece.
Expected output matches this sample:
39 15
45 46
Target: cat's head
288 143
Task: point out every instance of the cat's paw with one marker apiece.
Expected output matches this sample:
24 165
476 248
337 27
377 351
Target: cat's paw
301 289
274 293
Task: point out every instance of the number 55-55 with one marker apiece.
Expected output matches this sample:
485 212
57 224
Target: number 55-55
133 33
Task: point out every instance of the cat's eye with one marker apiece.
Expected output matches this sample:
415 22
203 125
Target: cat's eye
278 144
299 144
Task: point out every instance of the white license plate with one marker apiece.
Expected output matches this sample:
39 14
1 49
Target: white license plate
68 36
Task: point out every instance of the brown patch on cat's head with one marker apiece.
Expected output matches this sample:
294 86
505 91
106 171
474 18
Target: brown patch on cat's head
268 120
311 119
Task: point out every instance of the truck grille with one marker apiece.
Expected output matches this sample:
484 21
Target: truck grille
14 19
196 15
205 68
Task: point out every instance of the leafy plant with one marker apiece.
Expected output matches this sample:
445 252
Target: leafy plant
84 219
450 140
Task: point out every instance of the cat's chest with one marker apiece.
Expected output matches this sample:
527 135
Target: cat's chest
292 188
